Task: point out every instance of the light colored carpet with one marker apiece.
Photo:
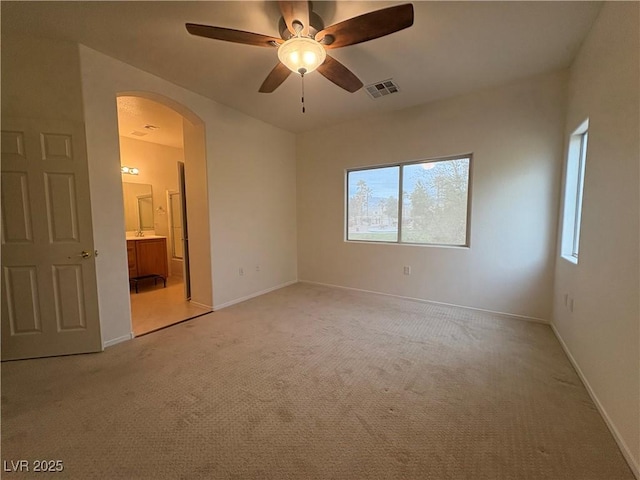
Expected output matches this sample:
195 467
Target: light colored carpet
311 382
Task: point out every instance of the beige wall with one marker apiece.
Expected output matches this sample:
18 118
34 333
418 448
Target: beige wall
250 178
254 205
199 218
515 135
25 62
601 334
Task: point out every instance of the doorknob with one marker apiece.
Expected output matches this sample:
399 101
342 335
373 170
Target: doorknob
83 254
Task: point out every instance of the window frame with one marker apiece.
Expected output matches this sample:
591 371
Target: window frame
575 170
400 166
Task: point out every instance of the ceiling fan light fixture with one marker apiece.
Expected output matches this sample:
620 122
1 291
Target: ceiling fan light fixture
302 55
306 38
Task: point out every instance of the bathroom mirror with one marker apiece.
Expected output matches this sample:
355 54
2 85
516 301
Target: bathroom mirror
138 206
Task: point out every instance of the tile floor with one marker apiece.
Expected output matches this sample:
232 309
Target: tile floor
155 307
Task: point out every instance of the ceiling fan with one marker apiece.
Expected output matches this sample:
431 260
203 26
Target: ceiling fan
305 40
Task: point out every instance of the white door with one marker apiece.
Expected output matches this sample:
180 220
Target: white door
49 292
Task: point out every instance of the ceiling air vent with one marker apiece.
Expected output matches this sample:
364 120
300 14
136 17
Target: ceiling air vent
381 89
138 133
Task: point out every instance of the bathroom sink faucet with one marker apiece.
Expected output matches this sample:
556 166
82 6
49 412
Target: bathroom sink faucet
139 233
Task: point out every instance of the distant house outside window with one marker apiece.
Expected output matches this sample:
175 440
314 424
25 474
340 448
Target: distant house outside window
425 202
573 193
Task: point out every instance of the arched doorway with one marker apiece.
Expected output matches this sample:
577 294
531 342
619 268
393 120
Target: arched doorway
165 143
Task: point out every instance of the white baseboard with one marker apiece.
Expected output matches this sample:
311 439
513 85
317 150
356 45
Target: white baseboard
253 295
201 305
626 452
422 300
114 341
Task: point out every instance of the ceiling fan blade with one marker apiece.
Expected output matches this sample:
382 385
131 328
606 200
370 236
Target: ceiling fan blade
368 26
275 78
333 70
231 35
292 11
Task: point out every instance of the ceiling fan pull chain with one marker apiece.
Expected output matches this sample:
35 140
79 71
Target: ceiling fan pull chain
302 76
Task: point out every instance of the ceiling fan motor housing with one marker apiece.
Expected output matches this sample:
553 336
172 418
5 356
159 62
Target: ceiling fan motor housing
315 25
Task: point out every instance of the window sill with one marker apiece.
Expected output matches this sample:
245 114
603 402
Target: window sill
407 244
570 259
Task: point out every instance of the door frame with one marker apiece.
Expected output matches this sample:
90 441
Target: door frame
196 198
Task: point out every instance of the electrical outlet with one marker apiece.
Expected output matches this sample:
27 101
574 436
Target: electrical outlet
407 270
241 271
257 268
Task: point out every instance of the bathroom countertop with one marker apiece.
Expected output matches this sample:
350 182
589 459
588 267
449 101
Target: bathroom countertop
145 237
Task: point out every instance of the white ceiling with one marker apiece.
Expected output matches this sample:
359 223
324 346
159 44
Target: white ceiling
149 121
452 48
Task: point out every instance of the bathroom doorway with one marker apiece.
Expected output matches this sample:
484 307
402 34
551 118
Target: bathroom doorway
152 155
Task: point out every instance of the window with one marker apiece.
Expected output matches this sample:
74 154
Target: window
574 186
373 204
433 210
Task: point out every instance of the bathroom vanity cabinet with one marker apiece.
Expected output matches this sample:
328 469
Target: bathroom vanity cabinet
147 257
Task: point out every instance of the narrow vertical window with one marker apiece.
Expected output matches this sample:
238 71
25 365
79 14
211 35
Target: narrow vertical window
580 189
574 189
